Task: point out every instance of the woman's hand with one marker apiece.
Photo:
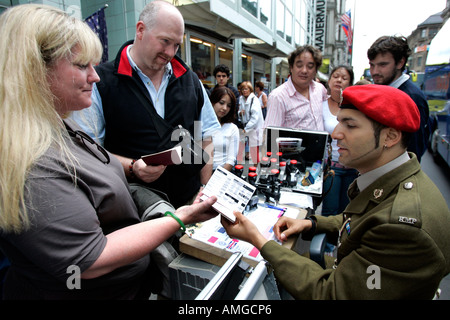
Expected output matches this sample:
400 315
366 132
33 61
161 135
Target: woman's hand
199 211
128 244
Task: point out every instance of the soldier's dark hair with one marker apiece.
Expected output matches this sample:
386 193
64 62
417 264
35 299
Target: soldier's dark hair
377 127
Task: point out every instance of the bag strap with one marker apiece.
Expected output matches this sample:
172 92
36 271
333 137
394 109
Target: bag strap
161 125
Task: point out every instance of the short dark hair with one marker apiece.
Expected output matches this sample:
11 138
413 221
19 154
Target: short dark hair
215 97
397 46
221 68
317 55
377 127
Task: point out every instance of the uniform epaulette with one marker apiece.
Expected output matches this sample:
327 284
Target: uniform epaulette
406 208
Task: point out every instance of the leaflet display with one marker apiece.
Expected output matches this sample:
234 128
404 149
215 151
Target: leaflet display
212 237
232 192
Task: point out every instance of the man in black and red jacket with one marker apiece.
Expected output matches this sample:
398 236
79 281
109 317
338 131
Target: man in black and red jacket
142 99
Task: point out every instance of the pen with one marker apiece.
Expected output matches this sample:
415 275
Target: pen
273 207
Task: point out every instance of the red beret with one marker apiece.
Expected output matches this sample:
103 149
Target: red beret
384 104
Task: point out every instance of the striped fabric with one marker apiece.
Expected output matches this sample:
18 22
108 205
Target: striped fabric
289 109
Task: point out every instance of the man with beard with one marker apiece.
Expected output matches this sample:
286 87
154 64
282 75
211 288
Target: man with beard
387 59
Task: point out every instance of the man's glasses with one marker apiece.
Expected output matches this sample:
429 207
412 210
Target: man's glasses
91 146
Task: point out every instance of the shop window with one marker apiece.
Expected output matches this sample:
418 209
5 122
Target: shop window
282 72
181 53
246 67
226 58
267 75
202 60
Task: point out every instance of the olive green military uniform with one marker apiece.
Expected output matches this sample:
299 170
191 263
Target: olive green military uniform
396 244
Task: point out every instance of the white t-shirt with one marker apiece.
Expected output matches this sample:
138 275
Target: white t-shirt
329 123
226 144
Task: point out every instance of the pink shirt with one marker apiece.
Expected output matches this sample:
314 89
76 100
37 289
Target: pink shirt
290 109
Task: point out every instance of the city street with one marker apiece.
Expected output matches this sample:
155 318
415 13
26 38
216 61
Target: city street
440 174
131 74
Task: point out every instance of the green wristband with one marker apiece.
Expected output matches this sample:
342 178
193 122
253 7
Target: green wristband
183 227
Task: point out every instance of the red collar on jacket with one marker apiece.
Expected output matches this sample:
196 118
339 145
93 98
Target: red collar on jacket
126 69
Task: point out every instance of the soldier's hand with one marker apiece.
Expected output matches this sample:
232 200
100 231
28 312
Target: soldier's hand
286 227
244 229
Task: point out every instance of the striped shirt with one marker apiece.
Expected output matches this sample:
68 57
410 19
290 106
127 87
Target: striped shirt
290 109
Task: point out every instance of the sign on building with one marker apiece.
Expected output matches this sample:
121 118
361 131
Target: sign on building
321 19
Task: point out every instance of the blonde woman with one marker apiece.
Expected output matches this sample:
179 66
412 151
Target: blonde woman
68 223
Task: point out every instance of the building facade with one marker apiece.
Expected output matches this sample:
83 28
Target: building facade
420 39
252 37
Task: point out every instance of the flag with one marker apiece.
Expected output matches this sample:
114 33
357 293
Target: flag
97 23
346 20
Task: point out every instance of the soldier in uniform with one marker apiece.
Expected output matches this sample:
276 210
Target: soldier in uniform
393 240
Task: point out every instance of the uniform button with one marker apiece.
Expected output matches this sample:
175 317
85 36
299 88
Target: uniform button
408 185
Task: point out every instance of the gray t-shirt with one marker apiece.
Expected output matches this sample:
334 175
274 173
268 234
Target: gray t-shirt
68 227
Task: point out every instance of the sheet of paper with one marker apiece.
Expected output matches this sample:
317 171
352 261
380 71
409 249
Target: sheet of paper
296 199
264 217
232 192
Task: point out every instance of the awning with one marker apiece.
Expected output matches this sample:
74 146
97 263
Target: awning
213 16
